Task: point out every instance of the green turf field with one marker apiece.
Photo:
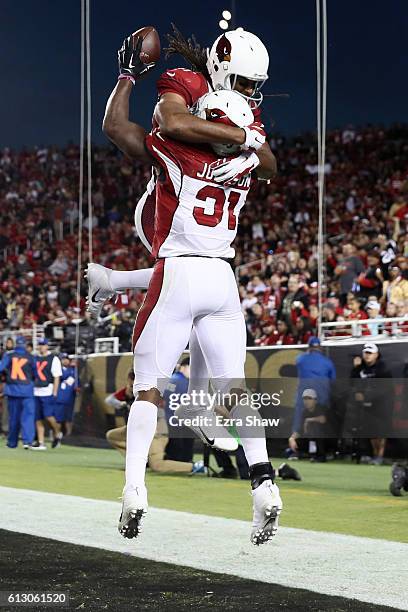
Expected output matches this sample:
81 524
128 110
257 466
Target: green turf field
337 497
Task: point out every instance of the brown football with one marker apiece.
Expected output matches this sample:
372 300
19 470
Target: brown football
151 44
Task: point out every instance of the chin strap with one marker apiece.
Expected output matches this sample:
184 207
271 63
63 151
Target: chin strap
259 472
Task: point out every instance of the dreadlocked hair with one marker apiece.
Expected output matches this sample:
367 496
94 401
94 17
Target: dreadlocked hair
189 49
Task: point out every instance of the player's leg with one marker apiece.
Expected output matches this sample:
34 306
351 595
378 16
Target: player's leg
131 279
212 434
222 337
103 282
161 333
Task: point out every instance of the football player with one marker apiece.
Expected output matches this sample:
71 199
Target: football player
192 284
237 60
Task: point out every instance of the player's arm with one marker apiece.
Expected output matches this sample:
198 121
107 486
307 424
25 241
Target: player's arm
176 121
128 136
267 168
261 162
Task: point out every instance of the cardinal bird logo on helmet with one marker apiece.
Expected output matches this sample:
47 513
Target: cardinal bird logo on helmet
224 49
218 116
213 114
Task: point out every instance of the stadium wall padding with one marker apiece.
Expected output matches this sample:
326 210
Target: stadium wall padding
104 374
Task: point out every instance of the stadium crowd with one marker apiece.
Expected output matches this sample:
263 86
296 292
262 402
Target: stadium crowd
365 256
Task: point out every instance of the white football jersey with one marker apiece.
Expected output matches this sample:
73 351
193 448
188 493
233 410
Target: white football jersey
194 214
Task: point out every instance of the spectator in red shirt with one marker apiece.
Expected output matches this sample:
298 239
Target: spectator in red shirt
370 281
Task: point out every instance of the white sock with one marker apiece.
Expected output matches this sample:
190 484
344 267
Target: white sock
252 436
130 279
141 428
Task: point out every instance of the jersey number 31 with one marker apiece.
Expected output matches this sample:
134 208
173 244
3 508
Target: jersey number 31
218 195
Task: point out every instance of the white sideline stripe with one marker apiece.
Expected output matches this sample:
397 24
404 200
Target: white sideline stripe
365 569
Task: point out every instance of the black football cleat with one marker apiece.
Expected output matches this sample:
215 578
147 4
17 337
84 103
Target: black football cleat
286 472
399 480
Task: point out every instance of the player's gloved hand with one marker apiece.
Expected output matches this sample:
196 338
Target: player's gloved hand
231 171
255 136
130 64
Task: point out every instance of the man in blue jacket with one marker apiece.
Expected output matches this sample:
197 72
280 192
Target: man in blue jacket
64 405
315 371
20 371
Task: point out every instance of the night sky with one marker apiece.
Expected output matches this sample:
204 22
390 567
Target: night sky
40 60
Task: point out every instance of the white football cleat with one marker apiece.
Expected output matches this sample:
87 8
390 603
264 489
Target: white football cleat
134 508
267 506
207 429
99 288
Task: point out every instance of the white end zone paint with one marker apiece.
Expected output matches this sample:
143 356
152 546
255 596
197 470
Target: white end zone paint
374 571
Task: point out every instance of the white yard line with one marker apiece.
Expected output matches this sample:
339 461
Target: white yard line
374 571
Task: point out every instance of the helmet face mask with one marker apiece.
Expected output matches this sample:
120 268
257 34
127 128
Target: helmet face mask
238 54
255 99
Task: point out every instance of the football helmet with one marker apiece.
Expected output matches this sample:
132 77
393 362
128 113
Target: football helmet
224 106
238 53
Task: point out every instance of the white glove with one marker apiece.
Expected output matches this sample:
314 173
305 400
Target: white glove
254 136
234 169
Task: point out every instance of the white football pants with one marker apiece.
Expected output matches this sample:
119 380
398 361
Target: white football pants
186 292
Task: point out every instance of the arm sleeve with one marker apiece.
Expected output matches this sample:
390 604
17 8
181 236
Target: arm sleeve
150 140
56 369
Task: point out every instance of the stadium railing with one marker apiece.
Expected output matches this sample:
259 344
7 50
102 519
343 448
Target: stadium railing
31 334
243 269
392 327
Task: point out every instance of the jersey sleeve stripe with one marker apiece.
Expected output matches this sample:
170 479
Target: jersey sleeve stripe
172 169
144 219
165 213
